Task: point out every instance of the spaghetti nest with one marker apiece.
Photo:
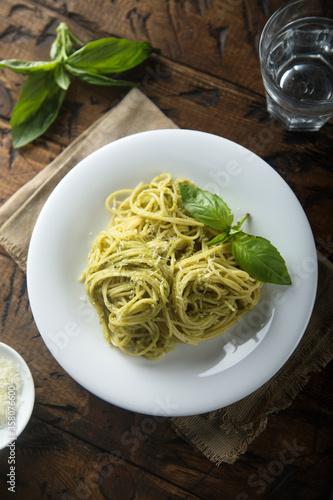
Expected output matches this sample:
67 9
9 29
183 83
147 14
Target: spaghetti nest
154 281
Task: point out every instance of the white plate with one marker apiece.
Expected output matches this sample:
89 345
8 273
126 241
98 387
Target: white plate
27 397
189 380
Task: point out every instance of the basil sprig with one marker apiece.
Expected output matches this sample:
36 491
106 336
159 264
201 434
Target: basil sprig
44 90
254 254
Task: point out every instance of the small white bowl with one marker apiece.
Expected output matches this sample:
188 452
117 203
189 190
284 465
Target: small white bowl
27 396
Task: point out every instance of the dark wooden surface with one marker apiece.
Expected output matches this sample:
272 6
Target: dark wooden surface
207 77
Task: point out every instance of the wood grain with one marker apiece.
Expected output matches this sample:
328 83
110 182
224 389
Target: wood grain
207 77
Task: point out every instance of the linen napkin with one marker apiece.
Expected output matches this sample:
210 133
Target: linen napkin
222 435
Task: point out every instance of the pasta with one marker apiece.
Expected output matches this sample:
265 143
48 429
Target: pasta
152 278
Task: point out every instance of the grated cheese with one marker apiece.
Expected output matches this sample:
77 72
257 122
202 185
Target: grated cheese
9 376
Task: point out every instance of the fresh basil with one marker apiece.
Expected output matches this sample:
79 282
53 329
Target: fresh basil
38 106
110 55
220 238
98 62
254 254
97 79
226 235
258 257
64 44
206 207
27 67
61 77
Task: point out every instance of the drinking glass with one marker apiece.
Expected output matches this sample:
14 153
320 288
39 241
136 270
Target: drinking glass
296 58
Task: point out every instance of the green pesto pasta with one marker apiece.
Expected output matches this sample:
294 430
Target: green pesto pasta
152 278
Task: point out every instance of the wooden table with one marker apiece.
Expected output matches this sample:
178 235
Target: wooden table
207 77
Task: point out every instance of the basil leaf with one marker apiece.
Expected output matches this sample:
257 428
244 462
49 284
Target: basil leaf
225 236
61 77
206 207
96 79
260 259
220 238
110 55
26 67
37 107
235 230
63 45
58 49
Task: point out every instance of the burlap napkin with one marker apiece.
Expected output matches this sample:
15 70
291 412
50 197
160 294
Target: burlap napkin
135 113
224 434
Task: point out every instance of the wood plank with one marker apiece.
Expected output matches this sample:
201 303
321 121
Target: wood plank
195 100
178 29
207 78
69 468
203 35
191 98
